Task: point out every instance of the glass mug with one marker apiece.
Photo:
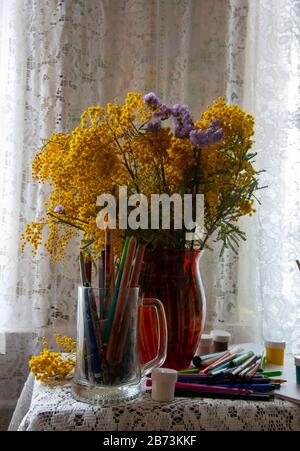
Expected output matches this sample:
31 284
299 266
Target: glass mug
108 369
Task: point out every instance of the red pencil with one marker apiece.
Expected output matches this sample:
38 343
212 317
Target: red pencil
223 359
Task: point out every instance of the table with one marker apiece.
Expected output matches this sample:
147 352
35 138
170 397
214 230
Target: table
51 408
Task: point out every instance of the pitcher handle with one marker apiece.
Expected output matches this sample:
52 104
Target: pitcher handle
162 336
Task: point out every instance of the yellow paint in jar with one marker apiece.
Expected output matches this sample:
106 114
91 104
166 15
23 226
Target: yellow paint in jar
275 352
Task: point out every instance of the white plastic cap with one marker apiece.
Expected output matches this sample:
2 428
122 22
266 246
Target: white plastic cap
275 344
220 336
297 360
163 384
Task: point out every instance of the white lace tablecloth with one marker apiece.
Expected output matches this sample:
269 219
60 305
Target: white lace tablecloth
45 408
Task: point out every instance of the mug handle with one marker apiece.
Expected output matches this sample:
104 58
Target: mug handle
162 335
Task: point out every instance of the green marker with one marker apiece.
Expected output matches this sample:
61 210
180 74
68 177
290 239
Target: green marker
241 358
189 371
271 373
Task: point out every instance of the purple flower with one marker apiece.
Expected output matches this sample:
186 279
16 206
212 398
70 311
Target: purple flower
218 135
180 110
201 138
151 99
182 120
182 130
195 137
153 125
178 131
175 110
211 135
58 209
163 113
215 123
205 138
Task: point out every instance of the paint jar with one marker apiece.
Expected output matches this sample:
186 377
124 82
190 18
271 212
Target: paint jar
297 365
220 340
205 345
275 352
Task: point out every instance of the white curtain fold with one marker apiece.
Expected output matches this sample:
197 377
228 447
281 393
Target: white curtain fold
62 56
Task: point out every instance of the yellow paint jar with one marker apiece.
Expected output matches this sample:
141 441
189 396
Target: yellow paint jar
275 352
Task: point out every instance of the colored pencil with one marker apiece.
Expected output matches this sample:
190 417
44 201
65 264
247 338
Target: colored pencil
254 387
199 359
209 362
84 279
87 355
112 274
83 346
121 303
205 388
124 322
214 362
107 270
219 370
100 283
244 365
249 368
88 268
260 362
253 370
277 381
219 380
241 358
116 292
95 321
100 274
226 358
91 340
248 397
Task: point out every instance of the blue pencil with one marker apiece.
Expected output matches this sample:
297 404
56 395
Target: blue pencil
198 394
96 364
254 387
221 379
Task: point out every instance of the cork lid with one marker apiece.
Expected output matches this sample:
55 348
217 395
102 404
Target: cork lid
206 339
221 336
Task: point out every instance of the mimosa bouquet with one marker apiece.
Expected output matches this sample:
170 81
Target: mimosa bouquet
146 147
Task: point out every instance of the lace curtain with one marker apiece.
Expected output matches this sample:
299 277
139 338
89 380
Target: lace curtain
58 57
268 275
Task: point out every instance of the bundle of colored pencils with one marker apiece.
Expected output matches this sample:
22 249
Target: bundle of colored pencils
234 374
107 318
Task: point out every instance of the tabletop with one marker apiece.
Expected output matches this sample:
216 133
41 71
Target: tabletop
52 408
